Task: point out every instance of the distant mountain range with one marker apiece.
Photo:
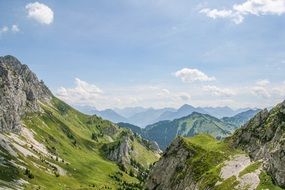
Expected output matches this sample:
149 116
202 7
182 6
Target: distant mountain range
163 132
142 117
107 114
241 118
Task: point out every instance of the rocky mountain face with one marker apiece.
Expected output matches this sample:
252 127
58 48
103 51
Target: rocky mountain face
202 162
126 150
165 174
263 137
20 93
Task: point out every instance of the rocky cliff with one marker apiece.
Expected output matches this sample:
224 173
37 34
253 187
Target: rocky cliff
20 92
166 172
203 163
263 137
128 151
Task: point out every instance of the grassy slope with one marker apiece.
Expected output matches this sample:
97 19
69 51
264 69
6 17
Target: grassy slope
67 133
208 161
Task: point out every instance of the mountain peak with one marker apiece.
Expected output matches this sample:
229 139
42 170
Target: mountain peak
186 107
20 92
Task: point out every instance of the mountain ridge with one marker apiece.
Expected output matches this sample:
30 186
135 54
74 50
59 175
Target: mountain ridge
147 116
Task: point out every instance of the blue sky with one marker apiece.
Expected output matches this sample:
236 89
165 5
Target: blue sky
159 53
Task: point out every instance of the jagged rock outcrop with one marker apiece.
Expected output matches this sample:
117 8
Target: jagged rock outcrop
263 137
154 147
120 151
166 173
20 91
127 151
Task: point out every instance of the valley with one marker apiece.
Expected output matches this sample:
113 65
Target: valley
47 144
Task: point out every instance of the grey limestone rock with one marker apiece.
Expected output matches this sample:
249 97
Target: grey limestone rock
20 93
263 137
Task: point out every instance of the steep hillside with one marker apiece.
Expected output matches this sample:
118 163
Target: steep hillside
202 162
53 146
263 137
241 118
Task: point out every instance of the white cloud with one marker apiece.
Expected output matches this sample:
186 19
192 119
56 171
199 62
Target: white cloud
83 93
214 90
214 13
192 75
15 28
185 96
261 91
40 12
4 29
261 7
250 7
264 82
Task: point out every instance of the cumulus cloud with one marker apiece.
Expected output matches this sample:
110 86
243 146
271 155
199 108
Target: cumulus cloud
261 7
83 93
185 96
261 91
4 29
87 94
191 75
215 13
214 90
264 82
15 28
250 7
40 13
